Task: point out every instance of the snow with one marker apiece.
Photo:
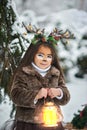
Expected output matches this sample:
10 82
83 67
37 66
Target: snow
78 91
76 21
5 109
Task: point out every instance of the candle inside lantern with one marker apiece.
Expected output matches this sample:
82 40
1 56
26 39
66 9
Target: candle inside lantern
50 116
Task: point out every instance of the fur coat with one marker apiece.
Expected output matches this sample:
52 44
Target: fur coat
26 85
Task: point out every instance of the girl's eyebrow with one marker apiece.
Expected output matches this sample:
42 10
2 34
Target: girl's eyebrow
43 53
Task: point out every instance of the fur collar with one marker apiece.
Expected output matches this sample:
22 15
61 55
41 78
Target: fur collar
29 70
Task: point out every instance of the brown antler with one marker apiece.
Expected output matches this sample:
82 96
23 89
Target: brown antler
59 33
33 29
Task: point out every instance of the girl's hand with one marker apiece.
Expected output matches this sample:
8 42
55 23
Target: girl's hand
53 92
42 93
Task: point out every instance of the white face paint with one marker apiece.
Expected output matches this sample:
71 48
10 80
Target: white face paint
43 58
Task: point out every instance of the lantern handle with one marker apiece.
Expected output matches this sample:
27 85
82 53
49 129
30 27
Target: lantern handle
50 100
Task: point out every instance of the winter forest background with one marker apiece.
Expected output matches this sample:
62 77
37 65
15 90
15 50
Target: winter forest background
14 40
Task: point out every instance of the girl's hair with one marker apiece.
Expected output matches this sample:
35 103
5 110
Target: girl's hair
28 57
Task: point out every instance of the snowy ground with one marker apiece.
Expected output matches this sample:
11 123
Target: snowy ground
78 91
5 108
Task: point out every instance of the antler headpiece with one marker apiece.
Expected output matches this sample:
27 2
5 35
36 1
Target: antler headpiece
53 37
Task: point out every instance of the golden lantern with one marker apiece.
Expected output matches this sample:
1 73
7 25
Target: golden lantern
49 115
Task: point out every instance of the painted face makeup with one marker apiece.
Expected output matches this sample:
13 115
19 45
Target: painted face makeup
43 57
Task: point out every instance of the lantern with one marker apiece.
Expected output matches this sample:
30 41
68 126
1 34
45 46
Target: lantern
49 115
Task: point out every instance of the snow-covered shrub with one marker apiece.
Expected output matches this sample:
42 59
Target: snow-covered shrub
82 59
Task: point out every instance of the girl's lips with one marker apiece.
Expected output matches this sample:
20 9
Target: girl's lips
43 64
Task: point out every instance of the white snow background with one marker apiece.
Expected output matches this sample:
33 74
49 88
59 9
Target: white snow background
76 21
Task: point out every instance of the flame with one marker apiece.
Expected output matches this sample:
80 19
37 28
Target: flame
50 116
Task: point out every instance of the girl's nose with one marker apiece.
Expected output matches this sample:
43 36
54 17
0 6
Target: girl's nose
44 58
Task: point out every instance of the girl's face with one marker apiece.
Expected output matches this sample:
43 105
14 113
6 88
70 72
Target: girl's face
43 57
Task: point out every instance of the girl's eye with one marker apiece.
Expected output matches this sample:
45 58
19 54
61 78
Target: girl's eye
40 55
49 56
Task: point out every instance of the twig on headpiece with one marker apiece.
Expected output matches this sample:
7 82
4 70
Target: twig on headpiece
29 28
53 37
59 33
33 29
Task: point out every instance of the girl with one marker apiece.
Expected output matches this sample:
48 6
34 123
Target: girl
38 76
